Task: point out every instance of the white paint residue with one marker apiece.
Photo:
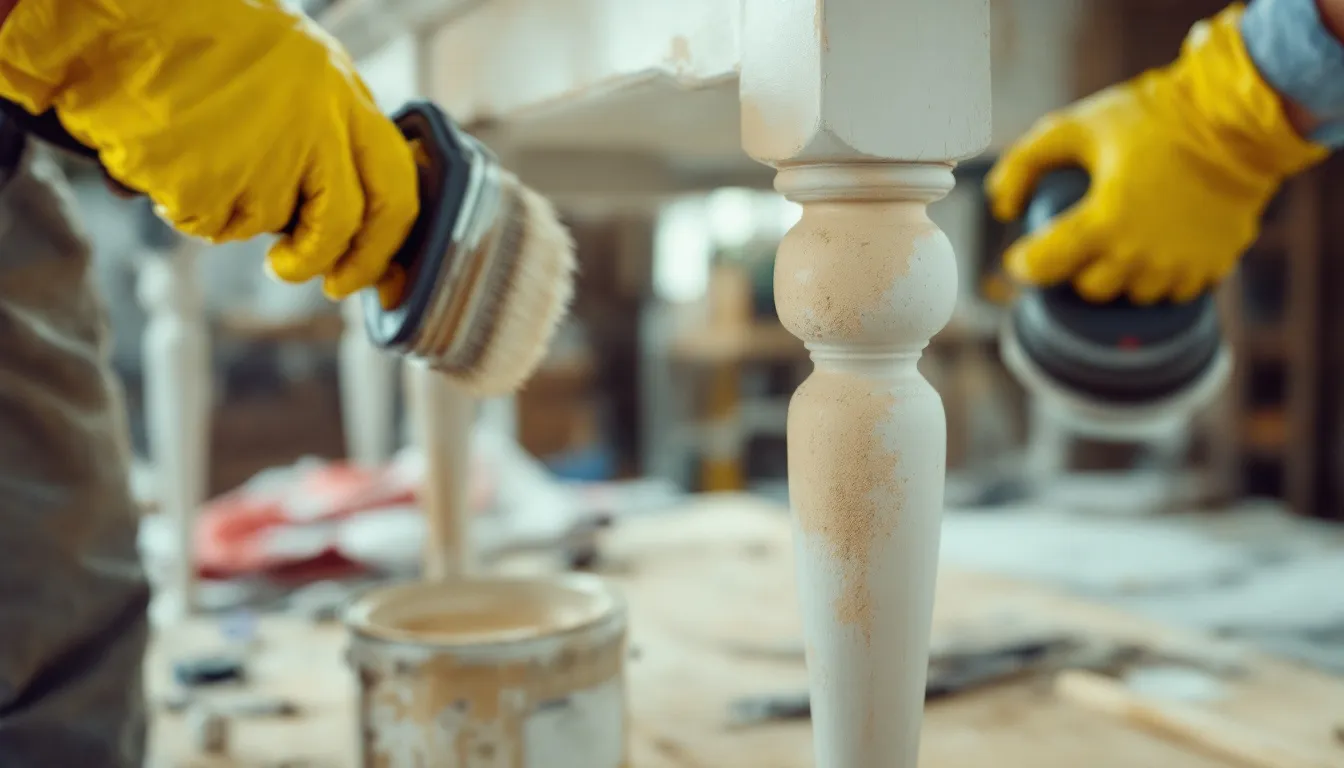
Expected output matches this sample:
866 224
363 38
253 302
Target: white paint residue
450 723
585 731
396 737
912 297
803 276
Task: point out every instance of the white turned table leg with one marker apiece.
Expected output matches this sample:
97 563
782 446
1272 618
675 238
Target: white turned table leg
863 106
866 282
177 401
368 383
442 417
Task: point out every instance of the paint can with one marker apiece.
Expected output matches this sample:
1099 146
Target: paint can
491 673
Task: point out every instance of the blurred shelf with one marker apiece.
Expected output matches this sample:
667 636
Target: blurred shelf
1269 343
1265 432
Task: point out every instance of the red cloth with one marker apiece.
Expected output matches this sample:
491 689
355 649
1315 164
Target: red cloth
289 525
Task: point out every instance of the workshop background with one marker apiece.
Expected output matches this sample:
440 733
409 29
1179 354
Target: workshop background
671 379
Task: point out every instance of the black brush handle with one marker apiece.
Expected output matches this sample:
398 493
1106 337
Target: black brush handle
443 190
47 127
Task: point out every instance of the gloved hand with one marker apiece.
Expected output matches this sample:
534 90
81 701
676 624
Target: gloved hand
1183 161
229 114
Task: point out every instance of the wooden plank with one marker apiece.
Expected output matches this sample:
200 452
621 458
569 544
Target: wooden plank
709 583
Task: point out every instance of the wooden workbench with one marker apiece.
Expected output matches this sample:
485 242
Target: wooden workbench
707 586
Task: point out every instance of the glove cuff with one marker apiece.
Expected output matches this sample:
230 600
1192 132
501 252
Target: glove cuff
1301 59
42 39
1232 106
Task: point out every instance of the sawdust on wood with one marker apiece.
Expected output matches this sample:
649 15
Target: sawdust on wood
847 493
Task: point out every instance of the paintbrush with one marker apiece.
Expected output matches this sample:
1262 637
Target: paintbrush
489 268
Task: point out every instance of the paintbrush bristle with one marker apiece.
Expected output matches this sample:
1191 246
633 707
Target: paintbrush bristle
529 283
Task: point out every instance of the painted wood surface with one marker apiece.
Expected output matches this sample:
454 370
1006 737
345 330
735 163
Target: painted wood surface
841 98
713 617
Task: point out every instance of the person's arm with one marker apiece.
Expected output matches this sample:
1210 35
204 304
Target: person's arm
1332 19
1296 45
1332 16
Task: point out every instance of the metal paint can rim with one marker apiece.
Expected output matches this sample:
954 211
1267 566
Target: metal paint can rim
373 616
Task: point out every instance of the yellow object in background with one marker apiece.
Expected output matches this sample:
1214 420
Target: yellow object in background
997 289
1183 161
228 114
721 466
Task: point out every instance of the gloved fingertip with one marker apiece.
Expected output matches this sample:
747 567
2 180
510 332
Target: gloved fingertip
286 266
354 272
1005 210
334 291
1018 264
1097 285
268 269
1150 288
192 228
1004 203
1189 285
1184 294
392 287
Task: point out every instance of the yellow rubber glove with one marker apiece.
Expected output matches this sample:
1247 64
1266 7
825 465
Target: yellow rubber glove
1183 161
228 114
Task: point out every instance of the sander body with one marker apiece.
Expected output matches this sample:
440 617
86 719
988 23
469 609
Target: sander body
1115 371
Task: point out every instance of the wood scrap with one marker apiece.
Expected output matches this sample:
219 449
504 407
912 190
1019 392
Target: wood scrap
209 731
1194 728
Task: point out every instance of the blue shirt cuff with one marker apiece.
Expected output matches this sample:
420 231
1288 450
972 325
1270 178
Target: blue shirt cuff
1300 59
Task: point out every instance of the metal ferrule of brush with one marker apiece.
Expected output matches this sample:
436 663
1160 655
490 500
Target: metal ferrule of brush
463 192
445 337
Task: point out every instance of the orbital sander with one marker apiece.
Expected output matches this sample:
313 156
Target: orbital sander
1117 370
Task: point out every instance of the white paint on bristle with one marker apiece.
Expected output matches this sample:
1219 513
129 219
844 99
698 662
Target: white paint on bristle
533 300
